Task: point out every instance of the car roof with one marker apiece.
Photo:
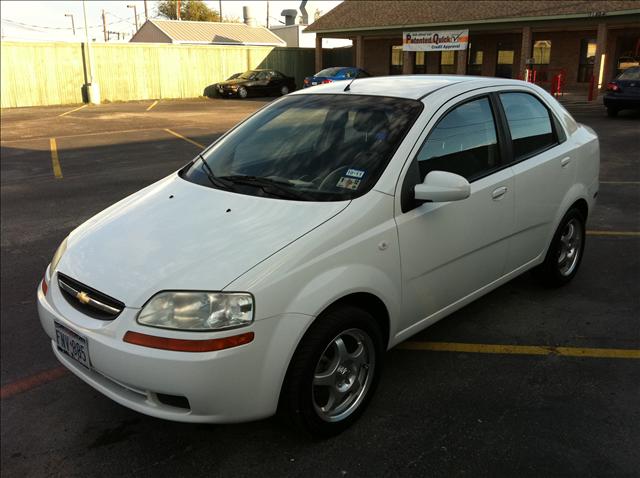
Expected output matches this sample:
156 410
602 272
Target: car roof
407 86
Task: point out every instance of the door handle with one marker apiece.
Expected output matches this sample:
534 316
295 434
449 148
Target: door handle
499 193
565 161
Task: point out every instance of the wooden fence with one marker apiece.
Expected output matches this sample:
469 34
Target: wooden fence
37 74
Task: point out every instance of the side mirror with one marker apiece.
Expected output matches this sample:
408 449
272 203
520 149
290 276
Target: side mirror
440 186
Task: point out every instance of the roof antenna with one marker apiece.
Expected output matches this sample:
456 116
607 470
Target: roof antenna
348 87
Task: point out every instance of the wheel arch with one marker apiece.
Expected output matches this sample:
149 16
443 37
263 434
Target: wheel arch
368 302
582 206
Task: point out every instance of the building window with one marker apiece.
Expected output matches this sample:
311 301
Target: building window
419 65
396 60
447 62
587 58
504 62
542 52
474 66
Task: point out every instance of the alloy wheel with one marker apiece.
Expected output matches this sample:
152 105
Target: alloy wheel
570 247
343 375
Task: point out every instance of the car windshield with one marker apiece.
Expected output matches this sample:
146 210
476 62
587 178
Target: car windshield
249 75
630 74
329 72
308 147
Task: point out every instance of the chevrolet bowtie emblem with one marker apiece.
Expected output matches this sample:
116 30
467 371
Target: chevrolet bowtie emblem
83 297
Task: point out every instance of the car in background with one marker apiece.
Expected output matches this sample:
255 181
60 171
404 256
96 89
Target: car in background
623 93
211 91
336 73
257 83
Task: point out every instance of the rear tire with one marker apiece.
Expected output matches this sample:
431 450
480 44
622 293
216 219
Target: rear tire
612 112
333 372
565 252
284 90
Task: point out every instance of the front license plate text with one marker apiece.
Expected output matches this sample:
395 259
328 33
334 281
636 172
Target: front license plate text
72 344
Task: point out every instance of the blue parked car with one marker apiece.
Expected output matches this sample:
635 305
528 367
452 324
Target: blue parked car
336 73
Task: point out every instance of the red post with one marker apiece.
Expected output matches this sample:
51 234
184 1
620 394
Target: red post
591 85
560 84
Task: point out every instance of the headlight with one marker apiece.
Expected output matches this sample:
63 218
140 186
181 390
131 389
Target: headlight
58 255
198 310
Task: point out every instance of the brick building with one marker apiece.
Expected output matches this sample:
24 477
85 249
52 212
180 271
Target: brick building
578 40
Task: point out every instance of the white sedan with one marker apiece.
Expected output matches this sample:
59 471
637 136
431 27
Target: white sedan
275 269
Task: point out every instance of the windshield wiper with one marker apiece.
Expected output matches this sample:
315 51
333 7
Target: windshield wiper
217 182
270 186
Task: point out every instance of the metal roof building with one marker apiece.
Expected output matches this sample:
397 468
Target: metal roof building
205 33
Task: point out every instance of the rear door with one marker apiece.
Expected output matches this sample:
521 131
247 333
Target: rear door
543 165
451 250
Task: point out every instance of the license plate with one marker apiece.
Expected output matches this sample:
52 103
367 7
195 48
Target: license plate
72 344
314 83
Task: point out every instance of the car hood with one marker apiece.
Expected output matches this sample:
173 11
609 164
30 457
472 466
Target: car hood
176 235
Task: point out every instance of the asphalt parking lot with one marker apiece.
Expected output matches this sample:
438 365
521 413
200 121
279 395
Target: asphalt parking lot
466 397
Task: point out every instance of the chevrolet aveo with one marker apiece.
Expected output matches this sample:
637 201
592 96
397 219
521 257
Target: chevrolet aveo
274 270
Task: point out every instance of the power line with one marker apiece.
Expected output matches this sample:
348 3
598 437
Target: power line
80 27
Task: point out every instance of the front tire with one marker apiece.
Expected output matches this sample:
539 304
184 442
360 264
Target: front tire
333 372
565 252
242 92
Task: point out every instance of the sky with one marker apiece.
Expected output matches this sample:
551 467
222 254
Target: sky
45 20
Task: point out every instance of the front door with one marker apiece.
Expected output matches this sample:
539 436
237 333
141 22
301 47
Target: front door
451 250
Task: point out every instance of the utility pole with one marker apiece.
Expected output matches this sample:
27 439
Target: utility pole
104 27
267 14
93 90
220 7
73 24
178 10
146 11
135 14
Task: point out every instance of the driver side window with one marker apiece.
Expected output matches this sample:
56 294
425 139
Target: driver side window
463 142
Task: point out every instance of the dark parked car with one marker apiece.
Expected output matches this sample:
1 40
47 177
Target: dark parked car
257 83
336 73
623 93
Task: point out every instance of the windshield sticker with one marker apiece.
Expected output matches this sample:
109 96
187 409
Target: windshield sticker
355 173
348 183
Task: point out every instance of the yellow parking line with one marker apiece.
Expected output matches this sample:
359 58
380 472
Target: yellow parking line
178 135
75 109
619 182
55 162
152 105
521 350
614 233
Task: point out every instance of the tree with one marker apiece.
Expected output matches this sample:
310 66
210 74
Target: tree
194 10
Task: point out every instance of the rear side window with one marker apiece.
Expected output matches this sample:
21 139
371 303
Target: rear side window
630 74
463 142
529 123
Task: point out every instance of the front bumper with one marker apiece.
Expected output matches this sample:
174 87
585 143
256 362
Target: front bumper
233 385
227 92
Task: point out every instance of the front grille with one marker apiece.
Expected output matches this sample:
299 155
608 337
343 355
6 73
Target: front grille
88 300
